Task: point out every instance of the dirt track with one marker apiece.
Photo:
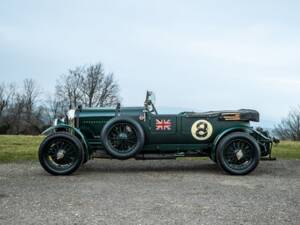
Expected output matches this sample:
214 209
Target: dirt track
150 192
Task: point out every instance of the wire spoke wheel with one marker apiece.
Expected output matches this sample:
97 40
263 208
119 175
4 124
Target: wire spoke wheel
122 137
239 154
61 153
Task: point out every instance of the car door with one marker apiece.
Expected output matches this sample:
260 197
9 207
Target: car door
163 128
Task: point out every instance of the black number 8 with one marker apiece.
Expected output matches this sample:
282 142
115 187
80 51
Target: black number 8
201 129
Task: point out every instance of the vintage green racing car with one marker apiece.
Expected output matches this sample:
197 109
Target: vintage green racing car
226 137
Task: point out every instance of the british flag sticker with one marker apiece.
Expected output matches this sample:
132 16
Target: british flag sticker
163 124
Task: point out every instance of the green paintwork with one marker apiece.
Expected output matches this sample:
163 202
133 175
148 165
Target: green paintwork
175 136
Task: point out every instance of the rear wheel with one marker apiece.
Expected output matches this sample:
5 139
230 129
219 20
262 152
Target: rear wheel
122 137
61 153
238 153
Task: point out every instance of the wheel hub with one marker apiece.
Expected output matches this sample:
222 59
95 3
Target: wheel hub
123 136
239 154
60 154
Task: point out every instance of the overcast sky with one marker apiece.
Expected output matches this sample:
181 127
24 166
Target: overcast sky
202 55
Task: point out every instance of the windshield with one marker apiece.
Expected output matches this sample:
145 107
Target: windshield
150 102
152 97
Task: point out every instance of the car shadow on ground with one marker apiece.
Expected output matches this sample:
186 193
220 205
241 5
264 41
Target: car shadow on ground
132 166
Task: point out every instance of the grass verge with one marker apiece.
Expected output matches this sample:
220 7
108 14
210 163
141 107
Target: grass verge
287 150
19 147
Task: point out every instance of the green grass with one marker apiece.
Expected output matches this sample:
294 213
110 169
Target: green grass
22 147
19 147
287 150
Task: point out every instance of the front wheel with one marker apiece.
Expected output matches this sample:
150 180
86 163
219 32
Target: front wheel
61 153
238 153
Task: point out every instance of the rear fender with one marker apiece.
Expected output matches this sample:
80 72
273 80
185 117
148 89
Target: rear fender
72 130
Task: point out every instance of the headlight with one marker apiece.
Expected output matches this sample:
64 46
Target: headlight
71 114
71 117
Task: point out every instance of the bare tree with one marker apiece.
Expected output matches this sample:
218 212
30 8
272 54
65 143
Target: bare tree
7 94
108 92
93 79
3 102
89 86
54 109
15 116
289 127
69 87
99 89
30 95
22 113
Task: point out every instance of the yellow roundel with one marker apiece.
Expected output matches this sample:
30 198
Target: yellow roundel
201 130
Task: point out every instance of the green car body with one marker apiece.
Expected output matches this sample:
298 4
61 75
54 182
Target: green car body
164 135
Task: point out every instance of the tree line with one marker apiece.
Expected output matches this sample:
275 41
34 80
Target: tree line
26 109
289 127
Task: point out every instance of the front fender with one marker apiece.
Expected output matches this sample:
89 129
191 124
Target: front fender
69 129
224 133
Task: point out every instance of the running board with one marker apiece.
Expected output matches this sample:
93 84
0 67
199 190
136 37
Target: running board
169 156
103 154
154 156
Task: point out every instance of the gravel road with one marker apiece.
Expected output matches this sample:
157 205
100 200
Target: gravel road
150 192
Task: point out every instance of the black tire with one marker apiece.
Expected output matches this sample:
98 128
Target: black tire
122 137
238 153
85 160
70 149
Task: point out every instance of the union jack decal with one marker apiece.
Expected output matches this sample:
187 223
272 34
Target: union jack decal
163 124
